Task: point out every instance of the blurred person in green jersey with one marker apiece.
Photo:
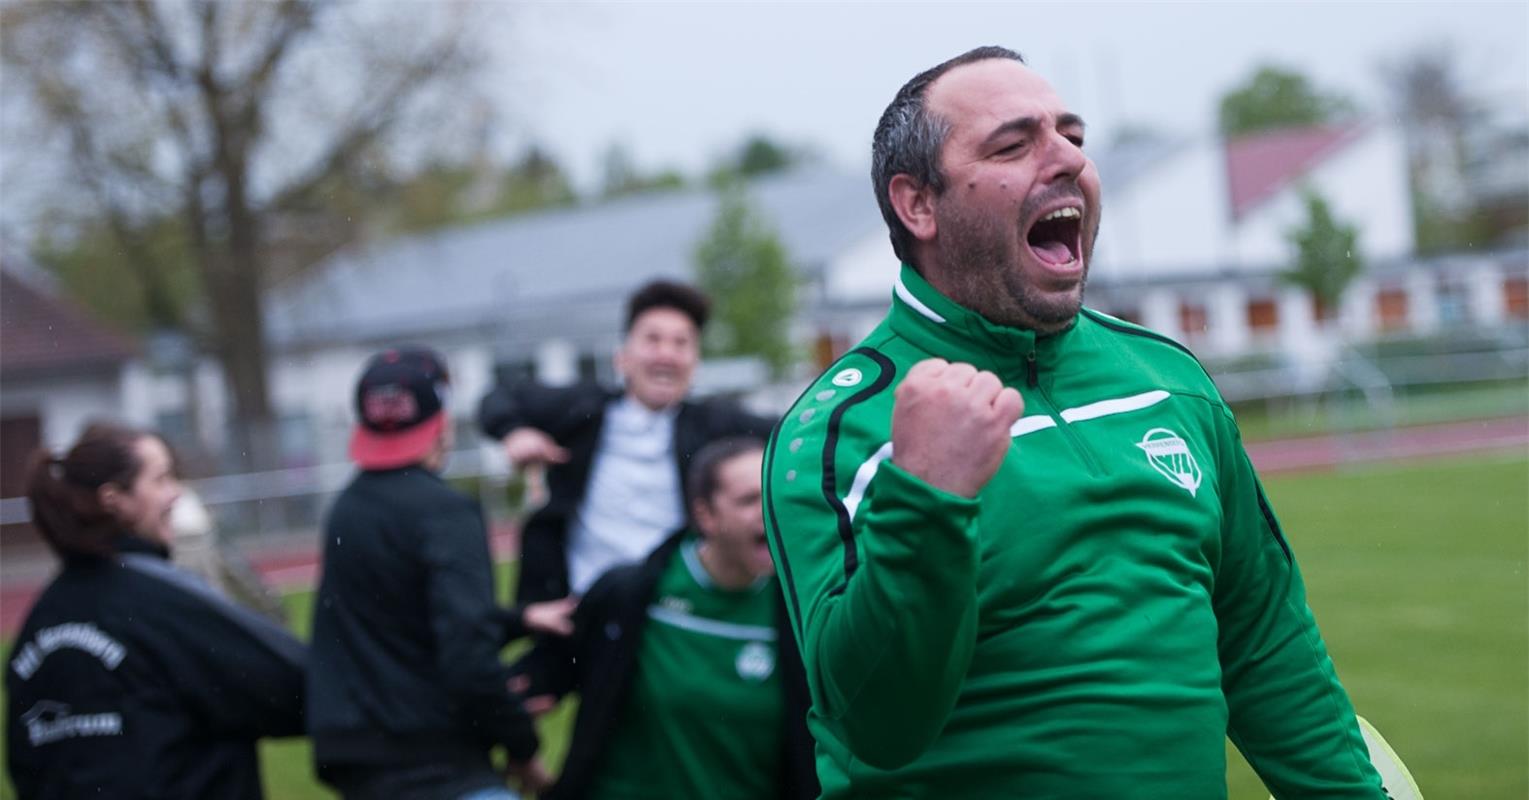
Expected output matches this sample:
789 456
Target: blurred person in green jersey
689 681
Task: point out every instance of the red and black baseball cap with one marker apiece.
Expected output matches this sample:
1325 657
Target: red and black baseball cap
400 408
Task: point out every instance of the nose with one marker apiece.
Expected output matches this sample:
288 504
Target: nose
1065 160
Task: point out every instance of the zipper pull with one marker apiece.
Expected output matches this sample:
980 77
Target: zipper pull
1032 374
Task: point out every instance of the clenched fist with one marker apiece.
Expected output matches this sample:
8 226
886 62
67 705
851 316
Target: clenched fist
950 425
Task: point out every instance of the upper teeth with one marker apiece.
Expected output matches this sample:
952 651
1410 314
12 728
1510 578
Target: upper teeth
1063 213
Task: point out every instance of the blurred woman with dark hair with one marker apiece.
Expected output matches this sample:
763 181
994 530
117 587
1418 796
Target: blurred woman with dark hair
131 678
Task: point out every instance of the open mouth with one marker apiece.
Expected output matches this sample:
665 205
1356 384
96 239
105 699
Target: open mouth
1055 238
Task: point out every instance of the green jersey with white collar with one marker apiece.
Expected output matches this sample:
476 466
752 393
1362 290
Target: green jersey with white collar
1115 602
703 717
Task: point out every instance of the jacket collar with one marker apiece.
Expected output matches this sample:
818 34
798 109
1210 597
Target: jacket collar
939 325
133 543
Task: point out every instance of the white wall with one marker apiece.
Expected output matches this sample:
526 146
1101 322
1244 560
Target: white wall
1365 184
1170 220
863 272
65 404
1175 219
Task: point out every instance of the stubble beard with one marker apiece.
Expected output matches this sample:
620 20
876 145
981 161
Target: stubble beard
982 272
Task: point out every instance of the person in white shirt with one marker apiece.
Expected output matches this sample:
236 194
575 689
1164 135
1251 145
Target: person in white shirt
615 460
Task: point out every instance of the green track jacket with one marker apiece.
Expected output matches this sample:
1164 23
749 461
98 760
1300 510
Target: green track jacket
1113 604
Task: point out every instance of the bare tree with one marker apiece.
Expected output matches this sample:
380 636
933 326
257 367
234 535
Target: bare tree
248 125
1428 98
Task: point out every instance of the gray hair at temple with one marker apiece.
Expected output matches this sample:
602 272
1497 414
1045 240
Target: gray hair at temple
908 141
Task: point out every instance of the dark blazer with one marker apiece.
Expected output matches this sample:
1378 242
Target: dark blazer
600 660
574 416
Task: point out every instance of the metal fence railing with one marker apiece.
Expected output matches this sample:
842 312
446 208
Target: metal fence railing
293 500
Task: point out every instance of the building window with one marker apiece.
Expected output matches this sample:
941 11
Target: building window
1515 292
1454 305
1192 319
1263 315
1391 308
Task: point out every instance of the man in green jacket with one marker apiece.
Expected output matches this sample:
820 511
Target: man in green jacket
1023 549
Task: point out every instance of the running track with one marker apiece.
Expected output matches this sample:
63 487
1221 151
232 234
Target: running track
297 567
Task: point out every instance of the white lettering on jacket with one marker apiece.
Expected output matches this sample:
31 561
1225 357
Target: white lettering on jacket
82 636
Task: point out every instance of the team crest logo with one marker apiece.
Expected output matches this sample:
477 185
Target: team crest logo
755 661
1169 454
848 377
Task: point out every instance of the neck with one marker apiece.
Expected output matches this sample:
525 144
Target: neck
984 300
649 406
723 573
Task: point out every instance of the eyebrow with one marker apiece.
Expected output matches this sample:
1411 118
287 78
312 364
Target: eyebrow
1029 124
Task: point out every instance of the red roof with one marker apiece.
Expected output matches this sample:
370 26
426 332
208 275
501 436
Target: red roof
1258 166
41 332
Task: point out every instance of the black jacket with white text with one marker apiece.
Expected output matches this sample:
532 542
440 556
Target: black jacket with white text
133 679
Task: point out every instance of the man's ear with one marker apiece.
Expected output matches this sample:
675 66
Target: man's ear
914 204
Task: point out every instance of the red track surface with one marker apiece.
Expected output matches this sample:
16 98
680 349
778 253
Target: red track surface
297 567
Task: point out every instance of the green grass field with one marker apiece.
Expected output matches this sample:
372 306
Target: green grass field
1419 576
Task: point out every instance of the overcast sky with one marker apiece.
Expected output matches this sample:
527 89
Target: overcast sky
681 82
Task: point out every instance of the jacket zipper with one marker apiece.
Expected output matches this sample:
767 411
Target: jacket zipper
1032 378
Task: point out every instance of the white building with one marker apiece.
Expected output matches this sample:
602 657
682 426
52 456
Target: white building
1193 240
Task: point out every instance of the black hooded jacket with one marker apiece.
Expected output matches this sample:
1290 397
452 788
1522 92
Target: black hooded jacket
133 679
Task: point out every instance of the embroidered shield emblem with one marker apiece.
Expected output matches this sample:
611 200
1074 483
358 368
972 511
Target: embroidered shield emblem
1169 454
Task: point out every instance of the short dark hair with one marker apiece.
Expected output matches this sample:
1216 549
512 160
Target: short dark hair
681 297
64 493
908 141
706 465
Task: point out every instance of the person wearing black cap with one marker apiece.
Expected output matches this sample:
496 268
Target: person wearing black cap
407 697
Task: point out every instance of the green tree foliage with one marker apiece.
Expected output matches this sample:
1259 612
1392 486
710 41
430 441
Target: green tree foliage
742 264
140 279
1275 97
760 155
757 155
1327 254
